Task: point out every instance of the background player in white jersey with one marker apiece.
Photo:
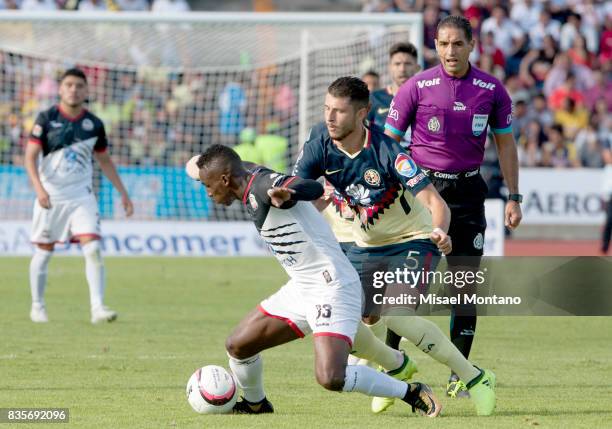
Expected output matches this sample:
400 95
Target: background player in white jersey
323 294
67 136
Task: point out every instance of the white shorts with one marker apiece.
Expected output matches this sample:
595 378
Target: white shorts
329 310
66 221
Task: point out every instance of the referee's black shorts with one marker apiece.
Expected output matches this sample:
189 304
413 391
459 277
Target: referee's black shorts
465 196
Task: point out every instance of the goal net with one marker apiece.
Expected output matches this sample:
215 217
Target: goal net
168 86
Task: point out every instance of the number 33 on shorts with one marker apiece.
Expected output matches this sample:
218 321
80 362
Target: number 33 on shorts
323 311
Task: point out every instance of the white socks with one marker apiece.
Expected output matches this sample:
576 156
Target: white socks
38 275
367 380
249 376
94 270
429 338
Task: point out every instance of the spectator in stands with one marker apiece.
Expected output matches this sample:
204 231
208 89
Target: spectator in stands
556 152
536 64
559 73
170 6
545 27
232 107
508 36
38 5
272 148
529 146
8 5
486 46
579 54
516 90
520 118
538 111
566 90
526 13
569 31
605 42
431 16
601 90
132 5
92 5
246 146
573 117
588 148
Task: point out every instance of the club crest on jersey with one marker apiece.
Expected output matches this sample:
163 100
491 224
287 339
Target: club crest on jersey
37 130
253 201
87 124
479 124
405 165
371 177
433 125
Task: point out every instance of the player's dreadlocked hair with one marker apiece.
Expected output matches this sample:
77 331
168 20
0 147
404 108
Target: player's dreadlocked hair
351 87
405 48
456 22
222 156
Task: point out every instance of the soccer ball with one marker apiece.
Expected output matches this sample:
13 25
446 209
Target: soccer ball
212 390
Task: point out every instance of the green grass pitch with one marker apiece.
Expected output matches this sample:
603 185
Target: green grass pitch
174 315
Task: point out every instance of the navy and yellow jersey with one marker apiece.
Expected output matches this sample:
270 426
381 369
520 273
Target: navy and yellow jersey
340 218
380 101
379 183
338 214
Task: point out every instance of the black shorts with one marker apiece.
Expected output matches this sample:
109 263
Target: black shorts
416 255
465 197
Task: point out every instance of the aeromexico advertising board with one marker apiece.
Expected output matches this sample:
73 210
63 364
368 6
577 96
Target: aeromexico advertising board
156 238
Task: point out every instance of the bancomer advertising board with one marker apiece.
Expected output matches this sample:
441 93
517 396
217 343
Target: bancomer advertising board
155 238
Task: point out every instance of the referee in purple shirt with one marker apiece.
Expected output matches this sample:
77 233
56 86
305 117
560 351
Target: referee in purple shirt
448 108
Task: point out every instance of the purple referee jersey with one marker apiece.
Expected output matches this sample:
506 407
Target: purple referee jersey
449 117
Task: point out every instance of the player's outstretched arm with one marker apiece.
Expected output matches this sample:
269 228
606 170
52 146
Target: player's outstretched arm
31 155
440 217
109 170
295 189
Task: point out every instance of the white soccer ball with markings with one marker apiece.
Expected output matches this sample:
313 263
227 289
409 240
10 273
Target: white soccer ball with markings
212 390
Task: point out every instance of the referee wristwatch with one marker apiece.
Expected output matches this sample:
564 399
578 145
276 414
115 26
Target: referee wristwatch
516 197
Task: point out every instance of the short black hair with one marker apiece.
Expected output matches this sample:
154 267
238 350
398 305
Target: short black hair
405 48
456 21
371 73
221 156
353 88
558 128
74 72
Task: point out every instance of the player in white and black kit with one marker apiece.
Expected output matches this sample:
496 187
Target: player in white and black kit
68 136
323 295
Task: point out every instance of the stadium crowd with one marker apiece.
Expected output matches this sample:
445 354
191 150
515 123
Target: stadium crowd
554 58
97 5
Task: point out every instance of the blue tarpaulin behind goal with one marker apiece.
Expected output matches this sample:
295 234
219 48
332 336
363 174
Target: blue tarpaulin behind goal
157 193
